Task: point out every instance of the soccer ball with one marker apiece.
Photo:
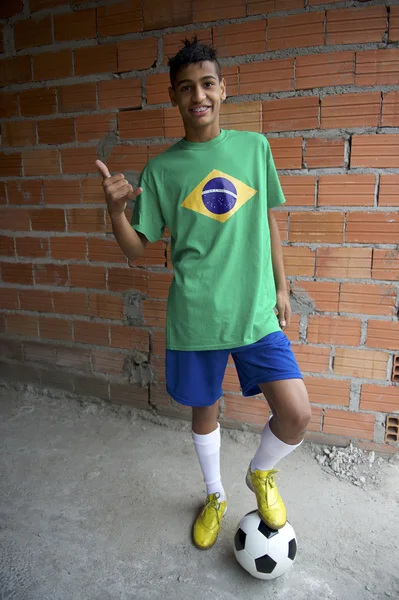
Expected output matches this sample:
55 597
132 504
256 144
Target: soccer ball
265 553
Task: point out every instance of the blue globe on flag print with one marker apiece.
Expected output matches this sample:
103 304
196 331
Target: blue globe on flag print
219 195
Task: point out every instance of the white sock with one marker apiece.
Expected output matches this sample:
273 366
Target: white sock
208 451
271 450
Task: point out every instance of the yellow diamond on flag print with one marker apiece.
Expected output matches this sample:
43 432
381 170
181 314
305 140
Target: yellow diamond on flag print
219 196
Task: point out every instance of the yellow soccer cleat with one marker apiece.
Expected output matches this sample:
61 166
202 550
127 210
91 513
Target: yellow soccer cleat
271 507
207 524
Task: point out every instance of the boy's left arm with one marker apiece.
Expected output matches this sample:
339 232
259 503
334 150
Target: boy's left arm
283 302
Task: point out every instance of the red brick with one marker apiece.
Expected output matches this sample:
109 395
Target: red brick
53 65
8 104
95 59
173 123
383 334
230 381
42 4
350 110
127 158
240 38
158 284
367 299
154 313
154 256
377 67
288 114
158 14
157 149
3 197
320 295
395 369
35 247
10 164
298 190
390 110
379 151
327 69
141 124
92 190
296 31
394 24
315 420
267 76
46 274
78 160
122 280
379 398
120 93
172 42
246 116
258 7
349 424
358 26
15 70
324 152
292 332
11 7
85 219
61 191
130 395
247 410
19 133
33 32
298 261
14 219
94 127
7 246
48 219
372 227
55 329
25 325
73 358
334 330
91 333
37 300
287 152
117 19
87 276
68 248
56 131
90 386
339 263
328 391
135 55
41 162
105 250
9 298
208 10
108 362
72 98
40 101
71 303
312 359
385 264
106 306
24 192
17 273
129 338
75 25
346 190
317 227
368 364
230 75
157 88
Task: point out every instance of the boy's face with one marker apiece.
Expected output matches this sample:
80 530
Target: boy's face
198 93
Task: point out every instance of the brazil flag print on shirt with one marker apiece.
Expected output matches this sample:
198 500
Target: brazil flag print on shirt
214 197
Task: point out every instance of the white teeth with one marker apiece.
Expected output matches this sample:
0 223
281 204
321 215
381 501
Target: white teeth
202 109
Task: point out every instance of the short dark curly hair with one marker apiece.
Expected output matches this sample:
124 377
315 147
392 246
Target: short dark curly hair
192 52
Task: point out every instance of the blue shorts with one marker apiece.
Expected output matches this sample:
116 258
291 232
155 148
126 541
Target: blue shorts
195 378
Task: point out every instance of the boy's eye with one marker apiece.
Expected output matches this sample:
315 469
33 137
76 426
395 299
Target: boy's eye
185 88
209 84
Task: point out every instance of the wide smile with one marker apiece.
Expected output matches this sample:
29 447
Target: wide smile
200 111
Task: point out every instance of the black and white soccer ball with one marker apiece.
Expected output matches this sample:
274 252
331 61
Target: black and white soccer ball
265 553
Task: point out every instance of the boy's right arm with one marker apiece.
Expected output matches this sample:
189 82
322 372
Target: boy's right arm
117 192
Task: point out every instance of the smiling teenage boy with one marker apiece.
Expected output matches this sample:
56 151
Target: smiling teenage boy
215 191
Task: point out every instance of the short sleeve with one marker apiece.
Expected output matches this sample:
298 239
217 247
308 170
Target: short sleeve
275 194
147 214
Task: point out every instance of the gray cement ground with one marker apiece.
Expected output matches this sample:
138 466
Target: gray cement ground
97 503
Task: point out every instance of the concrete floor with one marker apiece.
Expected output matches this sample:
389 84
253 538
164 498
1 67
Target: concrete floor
97 502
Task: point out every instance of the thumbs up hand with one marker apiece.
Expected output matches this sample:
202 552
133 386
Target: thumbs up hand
117 190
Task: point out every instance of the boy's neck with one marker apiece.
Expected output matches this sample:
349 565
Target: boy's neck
206 134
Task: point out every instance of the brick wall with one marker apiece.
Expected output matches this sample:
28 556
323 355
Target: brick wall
84 79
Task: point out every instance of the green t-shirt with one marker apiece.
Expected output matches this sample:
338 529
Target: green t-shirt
213 197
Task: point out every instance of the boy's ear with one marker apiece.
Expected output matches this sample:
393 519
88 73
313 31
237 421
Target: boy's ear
223 88
172 96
